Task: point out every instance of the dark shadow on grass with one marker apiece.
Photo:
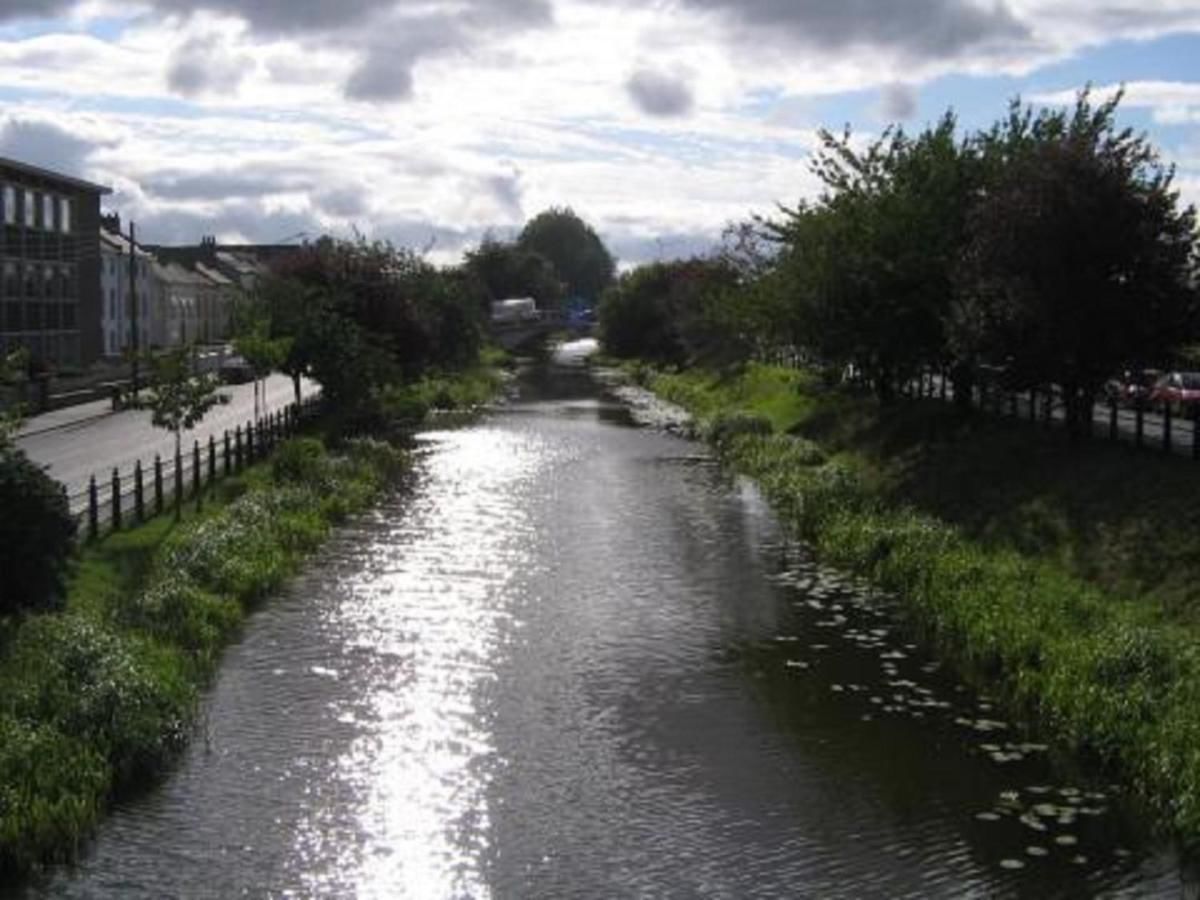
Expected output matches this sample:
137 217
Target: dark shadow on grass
1123 518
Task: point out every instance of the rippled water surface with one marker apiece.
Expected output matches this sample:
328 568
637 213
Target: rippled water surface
577 660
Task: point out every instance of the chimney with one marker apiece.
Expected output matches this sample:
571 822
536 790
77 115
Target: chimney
111 223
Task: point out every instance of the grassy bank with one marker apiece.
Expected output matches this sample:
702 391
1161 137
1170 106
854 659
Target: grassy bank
97 699
1065 578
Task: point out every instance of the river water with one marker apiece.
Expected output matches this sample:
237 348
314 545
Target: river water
576 659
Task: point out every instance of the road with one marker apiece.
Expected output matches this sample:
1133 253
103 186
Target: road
75 450
1153 422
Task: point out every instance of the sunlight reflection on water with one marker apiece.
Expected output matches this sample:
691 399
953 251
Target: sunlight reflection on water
430 606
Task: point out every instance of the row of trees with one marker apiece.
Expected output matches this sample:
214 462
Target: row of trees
1051 246
358 316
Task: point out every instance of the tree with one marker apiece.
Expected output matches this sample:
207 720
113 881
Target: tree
870 264
665 311
37 534
261 351
37 530
507 270
579 256
179 400
1078 258
404 312
12 368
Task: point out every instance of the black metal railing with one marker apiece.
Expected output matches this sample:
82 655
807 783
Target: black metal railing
116 500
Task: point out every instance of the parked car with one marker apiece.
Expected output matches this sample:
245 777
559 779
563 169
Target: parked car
1132 387
1180 391
235 370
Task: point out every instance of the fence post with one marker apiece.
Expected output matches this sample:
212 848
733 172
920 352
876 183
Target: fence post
226 451
139 497
178 483
196 492
1166 427
116 500
93 510
942 387
1140 426
212 461
250 442
1012 404
158 485
237 448
1048 408
1112 418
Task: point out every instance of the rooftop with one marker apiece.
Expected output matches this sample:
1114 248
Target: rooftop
48 174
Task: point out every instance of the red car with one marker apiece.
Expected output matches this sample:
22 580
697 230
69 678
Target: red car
1178 390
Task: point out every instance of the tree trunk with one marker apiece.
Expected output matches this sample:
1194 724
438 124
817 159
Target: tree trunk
1078 404
885 387
962 377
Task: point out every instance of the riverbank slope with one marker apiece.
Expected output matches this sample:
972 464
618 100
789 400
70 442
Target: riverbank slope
1064 577
96 699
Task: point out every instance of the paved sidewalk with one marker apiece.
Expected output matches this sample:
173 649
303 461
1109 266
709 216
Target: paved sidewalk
62 418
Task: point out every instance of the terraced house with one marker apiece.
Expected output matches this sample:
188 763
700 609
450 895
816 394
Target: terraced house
49 265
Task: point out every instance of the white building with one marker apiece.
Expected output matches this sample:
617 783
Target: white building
217 299
117 276
181 290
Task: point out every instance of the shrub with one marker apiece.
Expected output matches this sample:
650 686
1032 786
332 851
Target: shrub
51 787
300 460
124 697
726 426
380 456
404 404
36 536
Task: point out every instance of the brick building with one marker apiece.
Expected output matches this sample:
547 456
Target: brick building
49 265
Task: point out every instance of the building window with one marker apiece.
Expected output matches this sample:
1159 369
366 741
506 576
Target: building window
47 212
64 215
49 283
12 285
10 205
30 209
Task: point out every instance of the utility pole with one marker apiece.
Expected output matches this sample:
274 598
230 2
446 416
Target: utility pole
133 305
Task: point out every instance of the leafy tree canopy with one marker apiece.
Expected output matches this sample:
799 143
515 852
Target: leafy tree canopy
579 256
1078 258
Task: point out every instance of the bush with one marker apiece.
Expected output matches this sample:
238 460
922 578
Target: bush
123 697
406 405
36 536
726 426
301 460
379 456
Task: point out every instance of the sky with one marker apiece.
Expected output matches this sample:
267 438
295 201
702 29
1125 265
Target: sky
434 122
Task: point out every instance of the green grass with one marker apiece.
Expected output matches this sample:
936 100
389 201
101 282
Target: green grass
1063 577
100 697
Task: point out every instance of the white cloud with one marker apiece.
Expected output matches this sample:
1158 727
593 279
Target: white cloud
435 120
